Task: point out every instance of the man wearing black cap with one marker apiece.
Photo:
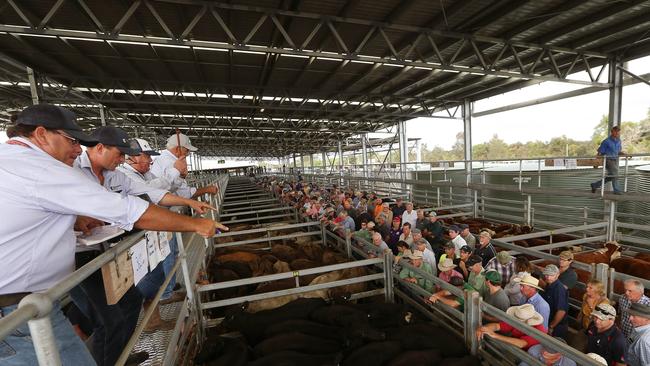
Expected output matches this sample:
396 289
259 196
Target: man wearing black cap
138 167
113 325
41 197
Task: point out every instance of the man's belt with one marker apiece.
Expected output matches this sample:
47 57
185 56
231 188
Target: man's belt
12 299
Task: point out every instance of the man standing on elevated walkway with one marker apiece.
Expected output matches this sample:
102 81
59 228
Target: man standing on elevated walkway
42 195
610 149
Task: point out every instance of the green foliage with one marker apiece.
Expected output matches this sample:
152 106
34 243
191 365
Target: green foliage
635 137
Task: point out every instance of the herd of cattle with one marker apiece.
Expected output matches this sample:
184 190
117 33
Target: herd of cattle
310 331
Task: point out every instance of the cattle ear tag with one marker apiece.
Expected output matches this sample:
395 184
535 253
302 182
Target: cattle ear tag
296 273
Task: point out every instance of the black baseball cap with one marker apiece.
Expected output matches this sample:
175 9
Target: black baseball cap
54 118
472 260
113 136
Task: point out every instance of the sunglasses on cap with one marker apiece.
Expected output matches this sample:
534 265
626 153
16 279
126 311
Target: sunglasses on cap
603 311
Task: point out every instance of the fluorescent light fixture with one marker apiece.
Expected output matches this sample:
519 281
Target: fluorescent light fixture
83 39
249 52
170 45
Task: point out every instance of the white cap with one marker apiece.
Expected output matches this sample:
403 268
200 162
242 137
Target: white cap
172 142
146 148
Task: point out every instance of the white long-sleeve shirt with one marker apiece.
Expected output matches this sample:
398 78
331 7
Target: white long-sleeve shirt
163 166
148 177
40 199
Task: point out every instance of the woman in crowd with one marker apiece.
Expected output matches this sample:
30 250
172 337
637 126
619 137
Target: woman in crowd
594 295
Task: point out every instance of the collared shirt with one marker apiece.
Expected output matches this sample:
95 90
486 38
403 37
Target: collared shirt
486 253
478 281
163 167
407 239
421 281
623 306
557 298
411 218
459 242
41 198
610 344
148 177
610 147
541 306
569 278
430 258
470 239
639 351
516 333
348 223
536 352
118 182
506 270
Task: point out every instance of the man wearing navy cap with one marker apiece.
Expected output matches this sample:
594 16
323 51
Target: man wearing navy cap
456 239
113 325
42 195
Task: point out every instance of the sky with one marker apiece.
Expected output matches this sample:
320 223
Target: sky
574 117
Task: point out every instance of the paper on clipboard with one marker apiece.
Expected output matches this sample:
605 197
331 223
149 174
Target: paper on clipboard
163 244
99 234
139 260
152 249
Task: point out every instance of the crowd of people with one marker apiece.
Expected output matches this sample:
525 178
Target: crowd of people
537 297
50 188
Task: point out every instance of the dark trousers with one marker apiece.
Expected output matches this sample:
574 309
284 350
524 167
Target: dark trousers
113 325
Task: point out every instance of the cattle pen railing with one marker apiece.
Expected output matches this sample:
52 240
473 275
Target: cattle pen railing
35 309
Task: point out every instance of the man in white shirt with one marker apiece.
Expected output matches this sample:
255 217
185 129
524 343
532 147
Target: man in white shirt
42 195
114 323
459 242
409 215
171 165
427 255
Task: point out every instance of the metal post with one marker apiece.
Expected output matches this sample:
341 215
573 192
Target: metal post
102 116
610 283
475 207
472 320
348 243
182 256
323 233
340 150
601 274
403 152
388 277
467 135
529 207
615 93
324 162
611 221
32 85
364 155
302 163
311 163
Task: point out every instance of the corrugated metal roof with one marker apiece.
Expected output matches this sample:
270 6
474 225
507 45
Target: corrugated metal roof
356 63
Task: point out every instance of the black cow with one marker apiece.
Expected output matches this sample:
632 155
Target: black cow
372 354
385 315
339 315
427 336
286 358
461 361
298 342
252 326
223 352
417 358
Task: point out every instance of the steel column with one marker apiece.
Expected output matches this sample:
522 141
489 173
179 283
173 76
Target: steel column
403 151
340 152
102 116
615 94
325 162
364 154
467 134
32 85
611 221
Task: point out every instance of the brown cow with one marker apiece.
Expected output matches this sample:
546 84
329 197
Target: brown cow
643 256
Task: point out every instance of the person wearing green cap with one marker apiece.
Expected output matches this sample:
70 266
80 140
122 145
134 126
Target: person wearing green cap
495 295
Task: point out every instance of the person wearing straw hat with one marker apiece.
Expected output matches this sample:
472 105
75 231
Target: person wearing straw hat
415 278
524 313
447 271
598 358
529 285
603 336
639 351
557 297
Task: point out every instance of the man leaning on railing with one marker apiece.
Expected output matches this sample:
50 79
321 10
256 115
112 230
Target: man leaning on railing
610 149
42 195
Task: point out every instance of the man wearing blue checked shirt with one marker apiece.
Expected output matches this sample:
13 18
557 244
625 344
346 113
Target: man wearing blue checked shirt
610 149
